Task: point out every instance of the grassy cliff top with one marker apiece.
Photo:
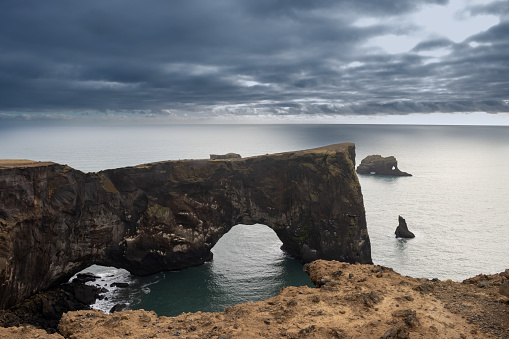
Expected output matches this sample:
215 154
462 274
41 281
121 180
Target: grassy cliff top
21 163
13 163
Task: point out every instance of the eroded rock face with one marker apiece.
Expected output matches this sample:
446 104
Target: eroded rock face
45 309
56 221
376 164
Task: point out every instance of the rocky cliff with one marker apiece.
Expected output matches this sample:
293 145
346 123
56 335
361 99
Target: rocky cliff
56 221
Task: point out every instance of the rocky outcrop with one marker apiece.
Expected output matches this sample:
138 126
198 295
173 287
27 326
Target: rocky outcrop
45 309
56 221
402 229
376 164
350 301
225 156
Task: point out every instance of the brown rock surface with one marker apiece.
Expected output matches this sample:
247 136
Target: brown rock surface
24 332
504 289
56 221
375 302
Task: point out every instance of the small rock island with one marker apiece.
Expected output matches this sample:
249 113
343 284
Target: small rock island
402 229
376 164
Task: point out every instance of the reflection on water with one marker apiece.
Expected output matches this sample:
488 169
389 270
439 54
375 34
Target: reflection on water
401 244
385 179
402 247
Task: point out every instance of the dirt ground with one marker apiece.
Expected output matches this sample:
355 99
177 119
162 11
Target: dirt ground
350 301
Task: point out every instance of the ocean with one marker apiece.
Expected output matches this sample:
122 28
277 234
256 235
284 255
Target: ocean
456 202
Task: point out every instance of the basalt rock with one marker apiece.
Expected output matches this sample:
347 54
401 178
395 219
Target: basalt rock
376 164
44 310
55 221
402 229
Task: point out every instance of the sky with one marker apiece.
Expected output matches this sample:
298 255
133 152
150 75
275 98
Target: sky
166 61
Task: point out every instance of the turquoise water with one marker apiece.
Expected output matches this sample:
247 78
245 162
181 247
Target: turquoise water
247 259
456 202
248 266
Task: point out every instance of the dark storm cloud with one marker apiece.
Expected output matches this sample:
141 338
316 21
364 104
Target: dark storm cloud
496 7
370 7
277 57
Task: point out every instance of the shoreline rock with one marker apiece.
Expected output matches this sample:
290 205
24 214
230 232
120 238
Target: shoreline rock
44 310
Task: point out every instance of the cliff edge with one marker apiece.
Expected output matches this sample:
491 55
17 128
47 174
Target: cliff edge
56 221
350 301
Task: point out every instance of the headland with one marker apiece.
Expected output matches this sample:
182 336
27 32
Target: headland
55 220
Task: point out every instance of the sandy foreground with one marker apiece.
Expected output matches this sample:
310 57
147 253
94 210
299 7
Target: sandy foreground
350 301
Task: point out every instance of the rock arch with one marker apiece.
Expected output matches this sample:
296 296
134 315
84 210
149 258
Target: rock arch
376 164
56 221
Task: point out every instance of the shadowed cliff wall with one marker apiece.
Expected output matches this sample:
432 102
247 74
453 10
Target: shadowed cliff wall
56 221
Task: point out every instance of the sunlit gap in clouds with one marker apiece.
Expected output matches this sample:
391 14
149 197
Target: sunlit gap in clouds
452 21
254 117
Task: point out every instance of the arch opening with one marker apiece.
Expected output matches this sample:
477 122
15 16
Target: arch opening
248 265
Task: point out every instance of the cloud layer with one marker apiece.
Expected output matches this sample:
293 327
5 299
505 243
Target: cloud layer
244 58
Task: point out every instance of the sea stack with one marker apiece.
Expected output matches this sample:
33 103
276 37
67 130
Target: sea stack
402 229
376 164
